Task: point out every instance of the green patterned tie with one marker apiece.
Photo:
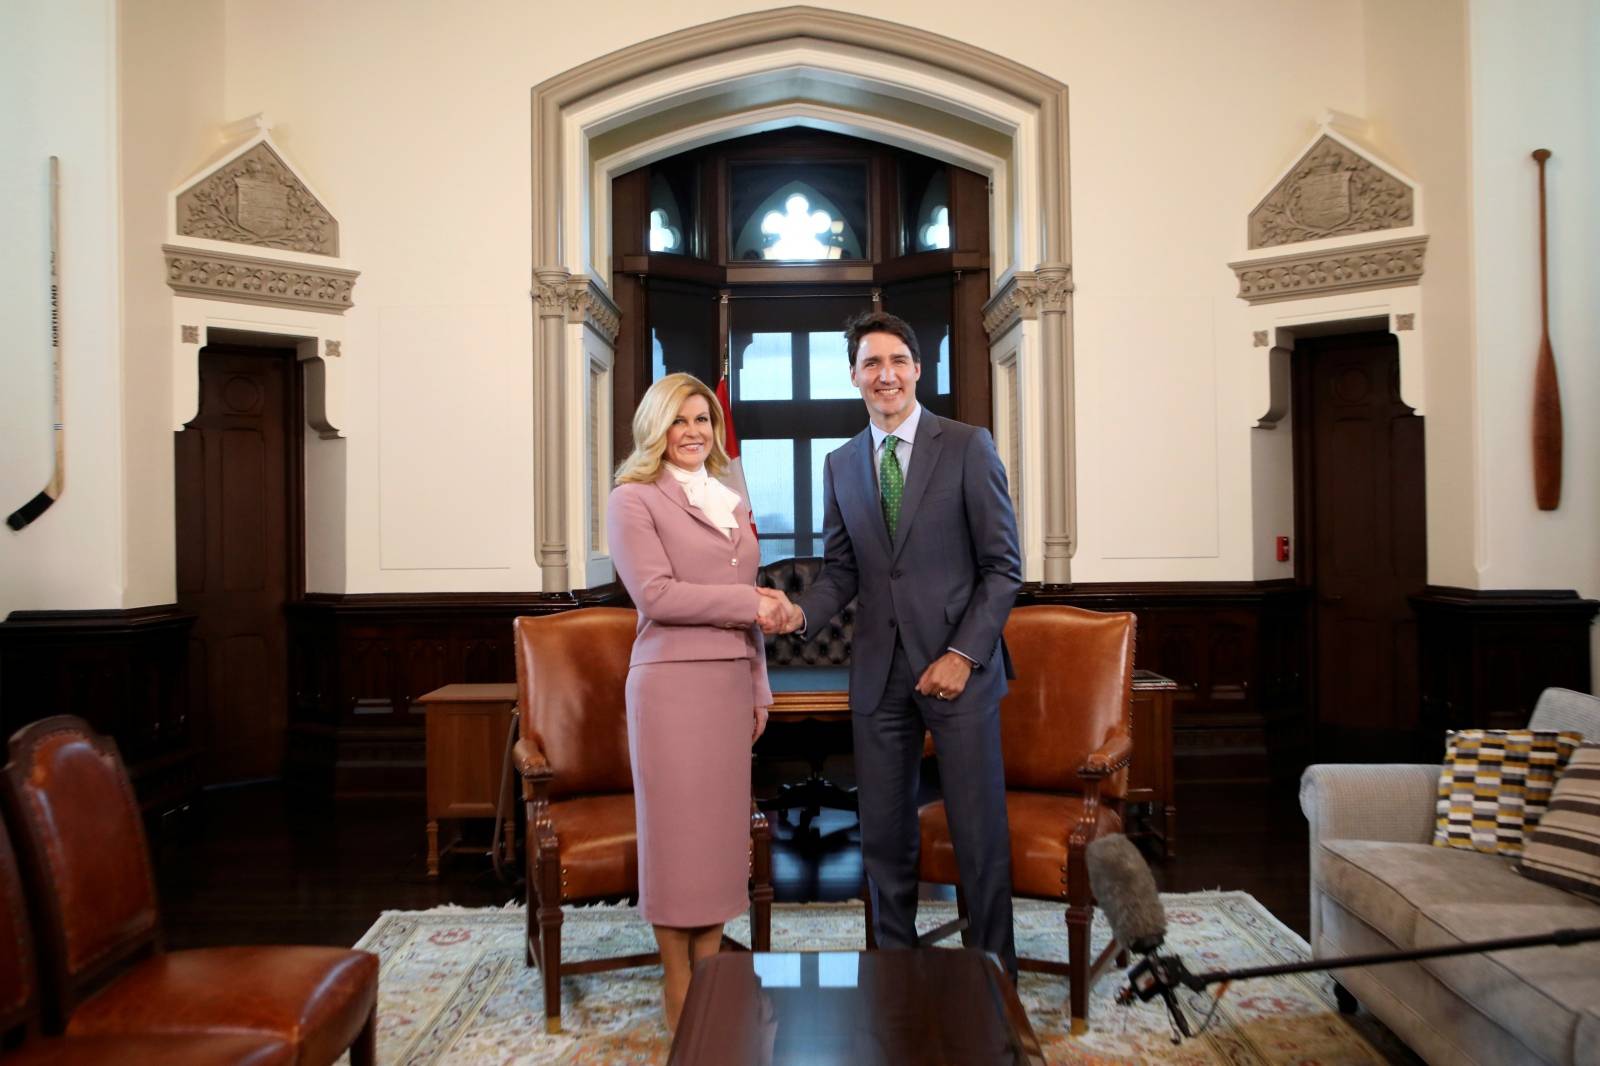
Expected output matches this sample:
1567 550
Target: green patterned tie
890 484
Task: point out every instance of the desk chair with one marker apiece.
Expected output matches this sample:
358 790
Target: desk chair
1067 736
577 785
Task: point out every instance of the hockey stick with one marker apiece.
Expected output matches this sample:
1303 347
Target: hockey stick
52 491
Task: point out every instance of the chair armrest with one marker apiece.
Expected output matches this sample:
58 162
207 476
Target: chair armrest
1108 758
1394 802
530 760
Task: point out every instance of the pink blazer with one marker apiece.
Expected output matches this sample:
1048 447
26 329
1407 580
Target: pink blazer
694 587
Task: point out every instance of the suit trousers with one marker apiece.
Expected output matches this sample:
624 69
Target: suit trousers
888 751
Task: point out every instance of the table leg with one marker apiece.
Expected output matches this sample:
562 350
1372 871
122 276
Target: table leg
433 848
1169 842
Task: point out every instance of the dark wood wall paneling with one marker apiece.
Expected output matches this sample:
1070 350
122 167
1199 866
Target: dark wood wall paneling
1486 656
125 672
358 663
1239 652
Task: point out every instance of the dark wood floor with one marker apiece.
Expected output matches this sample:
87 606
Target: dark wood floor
264 864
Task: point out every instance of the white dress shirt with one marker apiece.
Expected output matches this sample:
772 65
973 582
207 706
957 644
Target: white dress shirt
907 434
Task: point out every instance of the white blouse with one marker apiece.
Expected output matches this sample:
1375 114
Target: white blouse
714 499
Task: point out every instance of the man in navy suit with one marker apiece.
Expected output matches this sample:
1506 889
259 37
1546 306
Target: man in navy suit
919 523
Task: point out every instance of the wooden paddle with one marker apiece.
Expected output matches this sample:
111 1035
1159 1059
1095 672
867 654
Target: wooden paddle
1546 389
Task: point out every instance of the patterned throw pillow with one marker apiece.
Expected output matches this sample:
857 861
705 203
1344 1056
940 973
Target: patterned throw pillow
1495 784
1565 848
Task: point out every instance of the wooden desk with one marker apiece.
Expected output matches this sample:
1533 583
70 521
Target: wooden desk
810 693
466 738
820 693
941 1005
1150 773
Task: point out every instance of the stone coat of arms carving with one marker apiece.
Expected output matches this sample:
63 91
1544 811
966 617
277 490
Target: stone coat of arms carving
1330 192
256 199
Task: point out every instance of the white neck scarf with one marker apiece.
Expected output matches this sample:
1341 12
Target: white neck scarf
713 499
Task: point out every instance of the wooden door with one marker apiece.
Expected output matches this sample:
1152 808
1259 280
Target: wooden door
237 531
1364 544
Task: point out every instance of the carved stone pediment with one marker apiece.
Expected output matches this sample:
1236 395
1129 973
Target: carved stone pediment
256 198
1332 191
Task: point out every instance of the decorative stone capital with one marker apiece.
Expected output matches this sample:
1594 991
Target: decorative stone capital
550 292
588 305
256 198
1027 295
251 279
1369 266
578 299
1332 191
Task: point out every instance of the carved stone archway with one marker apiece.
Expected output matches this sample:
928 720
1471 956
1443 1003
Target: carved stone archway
794 66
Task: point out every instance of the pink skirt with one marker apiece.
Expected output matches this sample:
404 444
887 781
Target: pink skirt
689 726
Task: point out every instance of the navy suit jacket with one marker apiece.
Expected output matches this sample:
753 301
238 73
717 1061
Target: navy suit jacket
949 578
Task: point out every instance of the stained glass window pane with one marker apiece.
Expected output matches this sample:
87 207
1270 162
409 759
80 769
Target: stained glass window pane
797 211
764 368
935 233
829 367
933 214
670 223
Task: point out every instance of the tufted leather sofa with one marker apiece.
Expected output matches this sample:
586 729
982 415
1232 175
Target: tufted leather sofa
830 645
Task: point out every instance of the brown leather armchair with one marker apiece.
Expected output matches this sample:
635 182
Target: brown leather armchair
1067 736
107 980
577 785
19 1010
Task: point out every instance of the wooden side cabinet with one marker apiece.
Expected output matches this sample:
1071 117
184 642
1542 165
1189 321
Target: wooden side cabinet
1150 774
466 737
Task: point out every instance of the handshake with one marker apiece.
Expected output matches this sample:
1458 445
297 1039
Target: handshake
776 614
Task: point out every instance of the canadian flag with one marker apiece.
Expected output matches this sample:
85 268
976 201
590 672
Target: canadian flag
735 475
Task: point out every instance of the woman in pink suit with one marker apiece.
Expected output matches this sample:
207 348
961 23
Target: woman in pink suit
697 682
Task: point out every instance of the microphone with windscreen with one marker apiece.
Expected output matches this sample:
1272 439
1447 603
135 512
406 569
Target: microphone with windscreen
1125 890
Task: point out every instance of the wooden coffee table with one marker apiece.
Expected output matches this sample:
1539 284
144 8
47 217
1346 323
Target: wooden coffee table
944 1005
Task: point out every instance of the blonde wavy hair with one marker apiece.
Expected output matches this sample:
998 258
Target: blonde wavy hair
661 404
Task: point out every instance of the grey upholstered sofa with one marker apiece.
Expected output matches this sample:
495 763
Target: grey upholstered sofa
1377 884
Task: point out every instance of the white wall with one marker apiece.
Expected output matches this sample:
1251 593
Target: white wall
1181 116
58 81
1418 108
171 106
412 120
1512 114
415 126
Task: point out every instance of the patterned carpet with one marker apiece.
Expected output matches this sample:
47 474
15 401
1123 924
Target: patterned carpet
454 990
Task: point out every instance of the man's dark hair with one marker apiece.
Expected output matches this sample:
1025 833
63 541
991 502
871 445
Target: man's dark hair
879 322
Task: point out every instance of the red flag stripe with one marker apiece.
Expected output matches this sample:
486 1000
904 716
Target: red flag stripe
731 438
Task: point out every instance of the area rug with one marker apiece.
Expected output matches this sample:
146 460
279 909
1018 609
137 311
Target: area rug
453 989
